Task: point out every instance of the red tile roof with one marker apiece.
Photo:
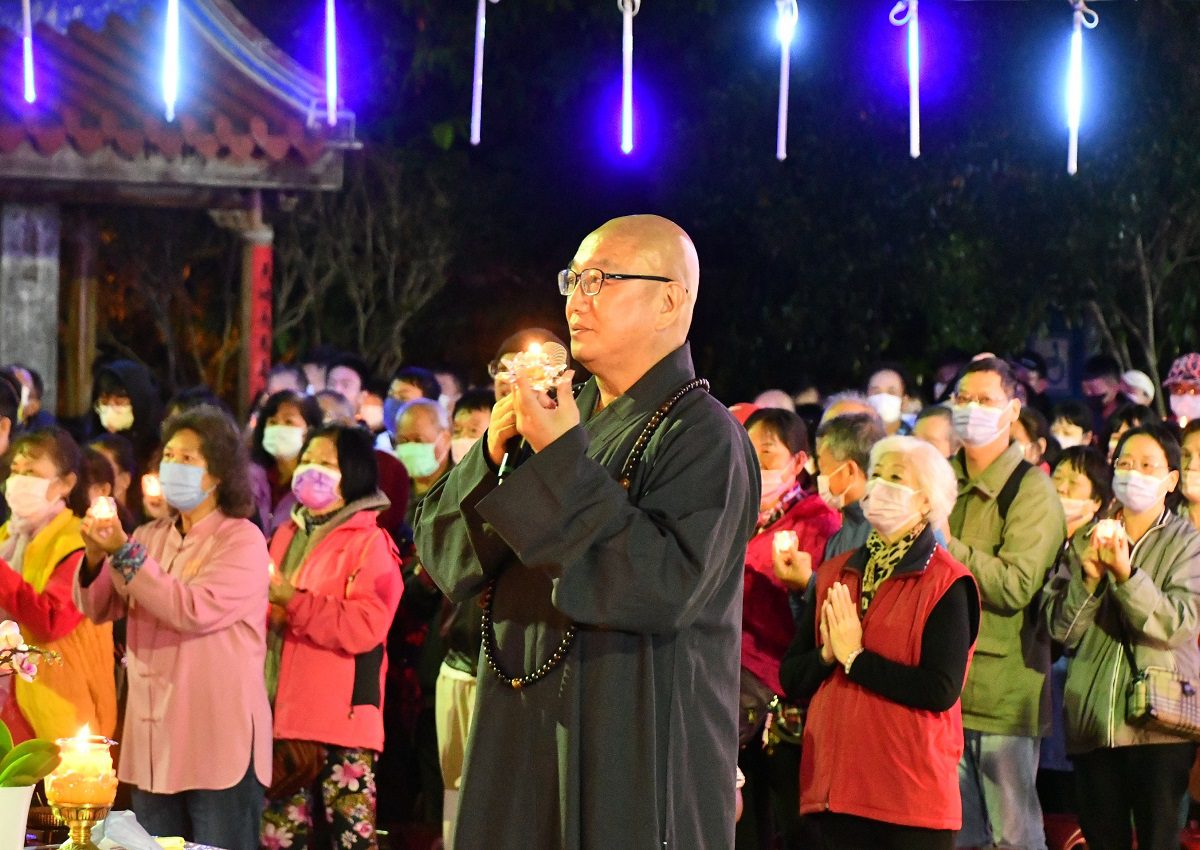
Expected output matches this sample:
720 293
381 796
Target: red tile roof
99 94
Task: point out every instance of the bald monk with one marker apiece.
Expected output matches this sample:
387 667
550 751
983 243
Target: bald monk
629 740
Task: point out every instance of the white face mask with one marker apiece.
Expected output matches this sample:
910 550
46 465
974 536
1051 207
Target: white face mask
115 417
837 501
887 406
1186 406
459 447
1068 441
27 495
1077 510
283 441
888 506
420 459
1191 486
977 425
1137 491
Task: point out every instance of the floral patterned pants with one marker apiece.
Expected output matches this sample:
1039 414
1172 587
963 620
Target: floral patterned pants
347 793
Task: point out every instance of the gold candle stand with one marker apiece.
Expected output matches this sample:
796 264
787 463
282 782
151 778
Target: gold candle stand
79 820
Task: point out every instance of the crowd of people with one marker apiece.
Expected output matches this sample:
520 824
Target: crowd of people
946 589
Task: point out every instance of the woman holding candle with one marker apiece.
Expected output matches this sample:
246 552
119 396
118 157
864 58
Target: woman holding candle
793 527
118 451
1129 585
196 745
279 433
333 596
40 550
102 484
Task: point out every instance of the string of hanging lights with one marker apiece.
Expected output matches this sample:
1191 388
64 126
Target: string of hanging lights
27 52
477 75
785 29
903 14
628 8
1082 17
170 74
331 63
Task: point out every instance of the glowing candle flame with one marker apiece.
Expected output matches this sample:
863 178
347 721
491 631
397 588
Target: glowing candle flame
151 486
105 507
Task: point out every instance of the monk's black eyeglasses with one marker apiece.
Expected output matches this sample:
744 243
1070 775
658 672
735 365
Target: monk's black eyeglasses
592 279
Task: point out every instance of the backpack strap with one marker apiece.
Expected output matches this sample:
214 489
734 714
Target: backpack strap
1008 492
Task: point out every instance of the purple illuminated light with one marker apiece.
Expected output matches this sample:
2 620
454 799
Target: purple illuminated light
331 63
629 8
27 51
170 76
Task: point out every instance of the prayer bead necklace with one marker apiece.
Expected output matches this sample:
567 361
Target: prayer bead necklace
490 649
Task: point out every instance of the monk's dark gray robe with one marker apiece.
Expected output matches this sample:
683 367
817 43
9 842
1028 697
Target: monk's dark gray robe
630 744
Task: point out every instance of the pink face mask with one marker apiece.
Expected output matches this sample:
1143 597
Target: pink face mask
315 487
888 506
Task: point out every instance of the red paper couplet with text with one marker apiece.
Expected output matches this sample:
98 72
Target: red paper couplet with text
263 263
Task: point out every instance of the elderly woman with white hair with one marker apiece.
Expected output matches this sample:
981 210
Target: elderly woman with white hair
880 657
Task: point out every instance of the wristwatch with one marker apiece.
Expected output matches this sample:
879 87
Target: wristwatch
850 659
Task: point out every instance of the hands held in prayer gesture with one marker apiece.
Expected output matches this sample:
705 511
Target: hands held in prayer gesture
841 630
1108 550
533 415
102 536
792 566
279 590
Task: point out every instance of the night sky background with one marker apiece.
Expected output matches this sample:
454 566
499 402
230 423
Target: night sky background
849 252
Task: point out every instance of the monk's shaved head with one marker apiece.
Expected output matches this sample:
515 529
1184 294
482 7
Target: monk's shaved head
634 319
657 245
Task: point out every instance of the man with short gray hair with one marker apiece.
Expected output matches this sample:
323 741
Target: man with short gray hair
843 455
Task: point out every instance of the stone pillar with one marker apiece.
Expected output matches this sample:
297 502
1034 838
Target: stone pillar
29 280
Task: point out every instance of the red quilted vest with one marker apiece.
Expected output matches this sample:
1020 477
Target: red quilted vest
865 755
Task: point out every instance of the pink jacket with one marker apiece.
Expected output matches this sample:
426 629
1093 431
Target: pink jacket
334 661
196 642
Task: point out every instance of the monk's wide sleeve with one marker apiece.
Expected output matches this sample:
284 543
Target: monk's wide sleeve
650 567
458 549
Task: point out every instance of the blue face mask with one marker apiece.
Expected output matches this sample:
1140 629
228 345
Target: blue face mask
181 485
391 407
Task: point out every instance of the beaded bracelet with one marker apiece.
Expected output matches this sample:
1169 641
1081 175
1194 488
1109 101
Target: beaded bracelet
129 559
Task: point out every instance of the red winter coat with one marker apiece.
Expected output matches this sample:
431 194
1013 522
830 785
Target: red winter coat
767 622
334 658
863 754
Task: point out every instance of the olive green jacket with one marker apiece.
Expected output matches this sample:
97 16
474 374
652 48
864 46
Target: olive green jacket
1006 690
1157 610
